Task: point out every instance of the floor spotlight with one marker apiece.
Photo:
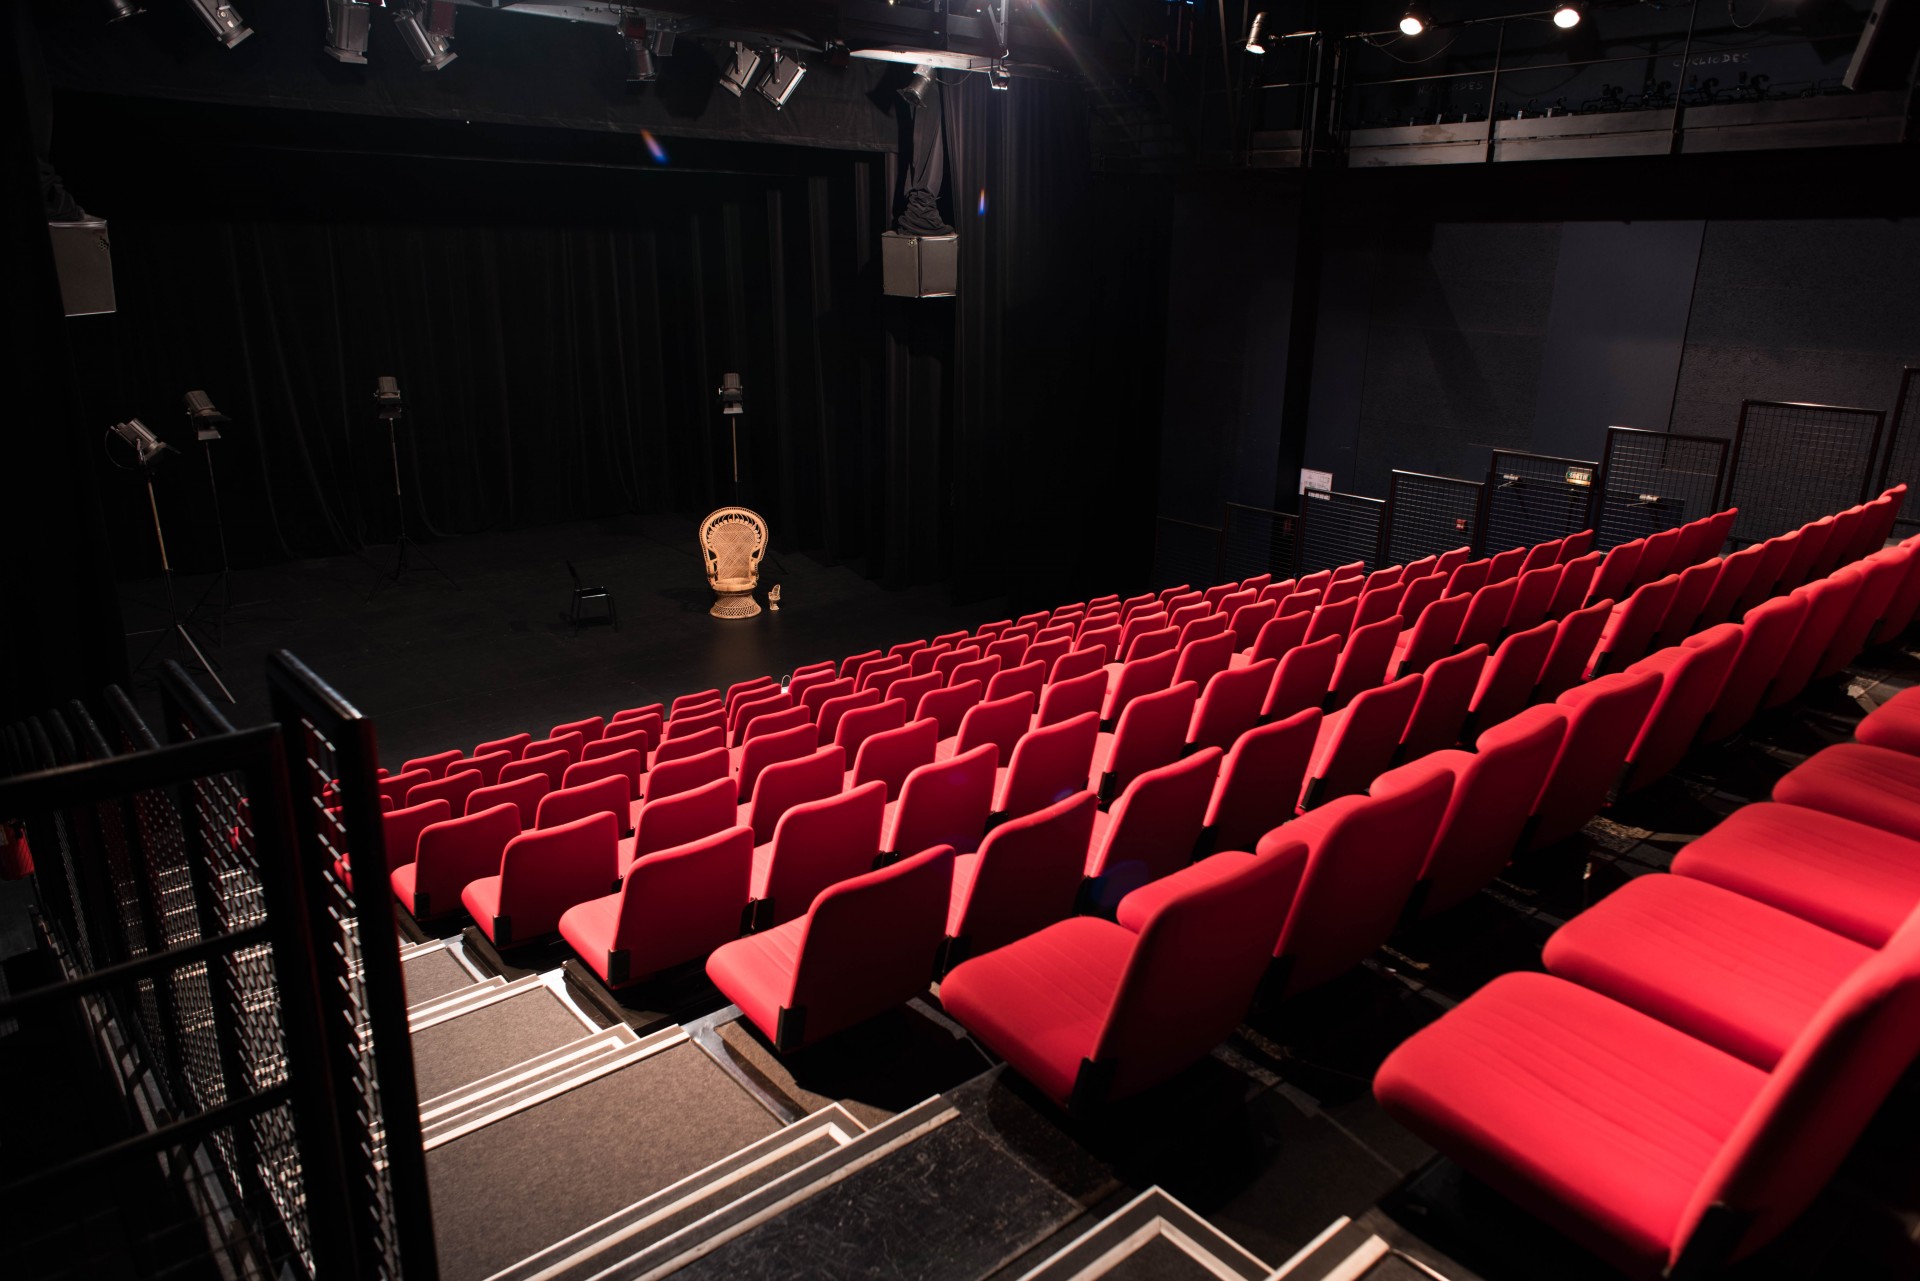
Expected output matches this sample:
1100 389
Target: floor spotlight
783 77
223 20
121 10
1259 35
1567 16
347 30
1415 21
148 449
422 32
740 71
918 86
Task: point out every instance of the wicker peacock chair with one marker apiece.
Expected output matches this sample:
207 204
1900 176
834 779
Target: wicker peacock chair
732 541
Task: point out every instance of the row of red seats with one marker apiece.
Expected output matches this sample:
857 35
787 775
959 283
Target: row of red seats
1068 1005
1738 1021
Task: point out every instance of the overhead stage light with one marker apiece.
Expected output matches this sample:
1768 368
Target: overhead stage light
148 448
1566 16
347 22
918 86
428 34
783 77
1415 21
640 68
740 70
998 77
121 10
223 20
1259 35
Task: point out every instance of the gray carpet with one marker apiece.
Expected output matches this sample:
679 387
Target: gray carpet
435 973
1159 1260
524 1182
491 1039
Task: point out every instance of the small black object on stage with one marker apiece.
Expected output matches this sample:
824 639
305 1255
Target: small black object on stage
386 395
149 451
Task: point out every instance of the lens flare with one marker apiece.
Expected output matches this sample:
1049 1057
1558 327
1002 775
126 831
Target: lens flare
654 149
983 202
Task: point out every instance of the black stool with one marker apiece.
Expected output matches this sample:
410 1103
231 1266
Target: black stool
583 594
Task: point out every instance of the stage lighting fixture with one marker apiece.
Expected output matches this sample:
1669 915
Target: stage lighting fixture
918 86
347 22
783 77
740 71
148 449
732 397
1259 35
1415 21
1567 16
121 10
998 77
640 68
206 419
223 20
432 48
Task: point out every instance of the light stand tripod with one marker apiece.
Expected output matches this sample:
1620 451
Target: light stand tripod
388 396
206 421
149 451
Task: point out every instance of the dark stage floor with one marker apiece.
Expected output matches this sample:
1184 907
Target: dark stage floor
439 667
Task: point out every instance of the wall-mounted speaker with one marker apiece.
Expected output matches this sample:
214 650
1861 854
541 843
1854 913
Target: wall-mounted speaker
84 260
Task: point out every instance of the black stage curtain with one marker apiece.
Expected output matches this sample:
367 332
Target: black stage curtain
559 330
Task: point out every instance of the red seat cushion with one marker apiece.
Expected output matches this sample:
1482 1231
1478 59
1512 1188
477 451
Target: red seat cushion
482 899
590 929
757 971
1589 1114
1871 785
1040 1005
965 868
1736 973
1844 876
1894 725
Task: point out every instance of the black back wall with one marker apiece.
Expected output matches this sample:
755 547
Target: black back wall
558 308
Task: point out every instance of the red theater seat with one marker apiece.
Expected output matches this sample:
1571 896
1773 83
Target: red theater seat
1542 556
488 765
1278 637
1230 705
858 724
1431 638
1729 583
765 750
1089 1011
816 844
1260 779
1153 829
571 745
1377 603
1736 973
1364 855
1492 799
675 905
511 744
712 738
784 784
1690 592
833 709
1576 546
1533 597
1615 576
1152 731
1507 683
864 946
1505 566
1576 577
1656 556
630 765
611 795
1691 677
452 788
889 756
1765 637
1026 876
1486 615
1363 661
1356 744
1468 578
945 803
1420 595
1048 765
1440 713
1872 785
1302 679
1332 620
435 765
551 765
1201 660
589 728
1248 621
679 776
451 855
1844 876
1894 725
948 707
1627 634
542 874
676 820
400 831
1065 699
1573 645
1655 1150
1028 678
1000 723
395 787
1604 718
1905 603
1082 659
1881 577
1828 601
1774 555
522 793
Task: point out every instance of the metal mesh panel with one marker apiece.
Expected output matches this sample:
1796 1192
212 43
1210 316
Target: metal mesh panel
1184 552
1655 480
1533 498
1902 461
1256 540
1338 529
1427 515
206 1176
1795 463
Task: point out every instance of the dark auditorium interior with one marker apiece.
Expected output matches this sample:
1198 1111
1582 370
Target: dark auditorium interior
960 640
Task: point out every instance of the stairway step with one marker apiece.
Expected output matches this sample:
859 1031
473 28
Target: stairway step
525 1085
649 1223
454 1004
1164 1238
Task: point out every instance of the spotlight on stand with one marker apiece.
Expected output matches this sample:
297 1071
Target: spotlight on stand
732 397
640 68
205 418
783 77
1567 16
429 35
121 10
998 77
914 92
740 71
1415 21
1259 35
347 22
223 20
148 449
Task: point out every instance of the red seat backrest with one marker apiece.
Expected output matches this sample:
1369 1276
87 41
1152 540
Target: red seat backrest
1576 577
1000 722
1067 698
679 749
1576 546
1302 679
1028 678
1507 684
1421 592
545 872
1604 716
764 750
1027 876
1230 705
1432 637
552 764
1151 731
612 795
1573 644
1363 660
851 663
788 783
687 816
511 744
636 740
1200 659
571 743
1468 578
401 828
679 903
1542 555
1377 603
1446 693
1335 619
682 724
629 765
1506 565
1363 743
523 794
1627 634
1691 676
1828 600
453 788
859 724
1279 635
678 776
1260 778
1492 799
1533 597
1730 583
454 853
588 728
821 843
1153 827
1765 637
435 765
945 803
890 755
1656 557
831 711
396 786
1486 614
1615 577
1677 621
760 724
1050 763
